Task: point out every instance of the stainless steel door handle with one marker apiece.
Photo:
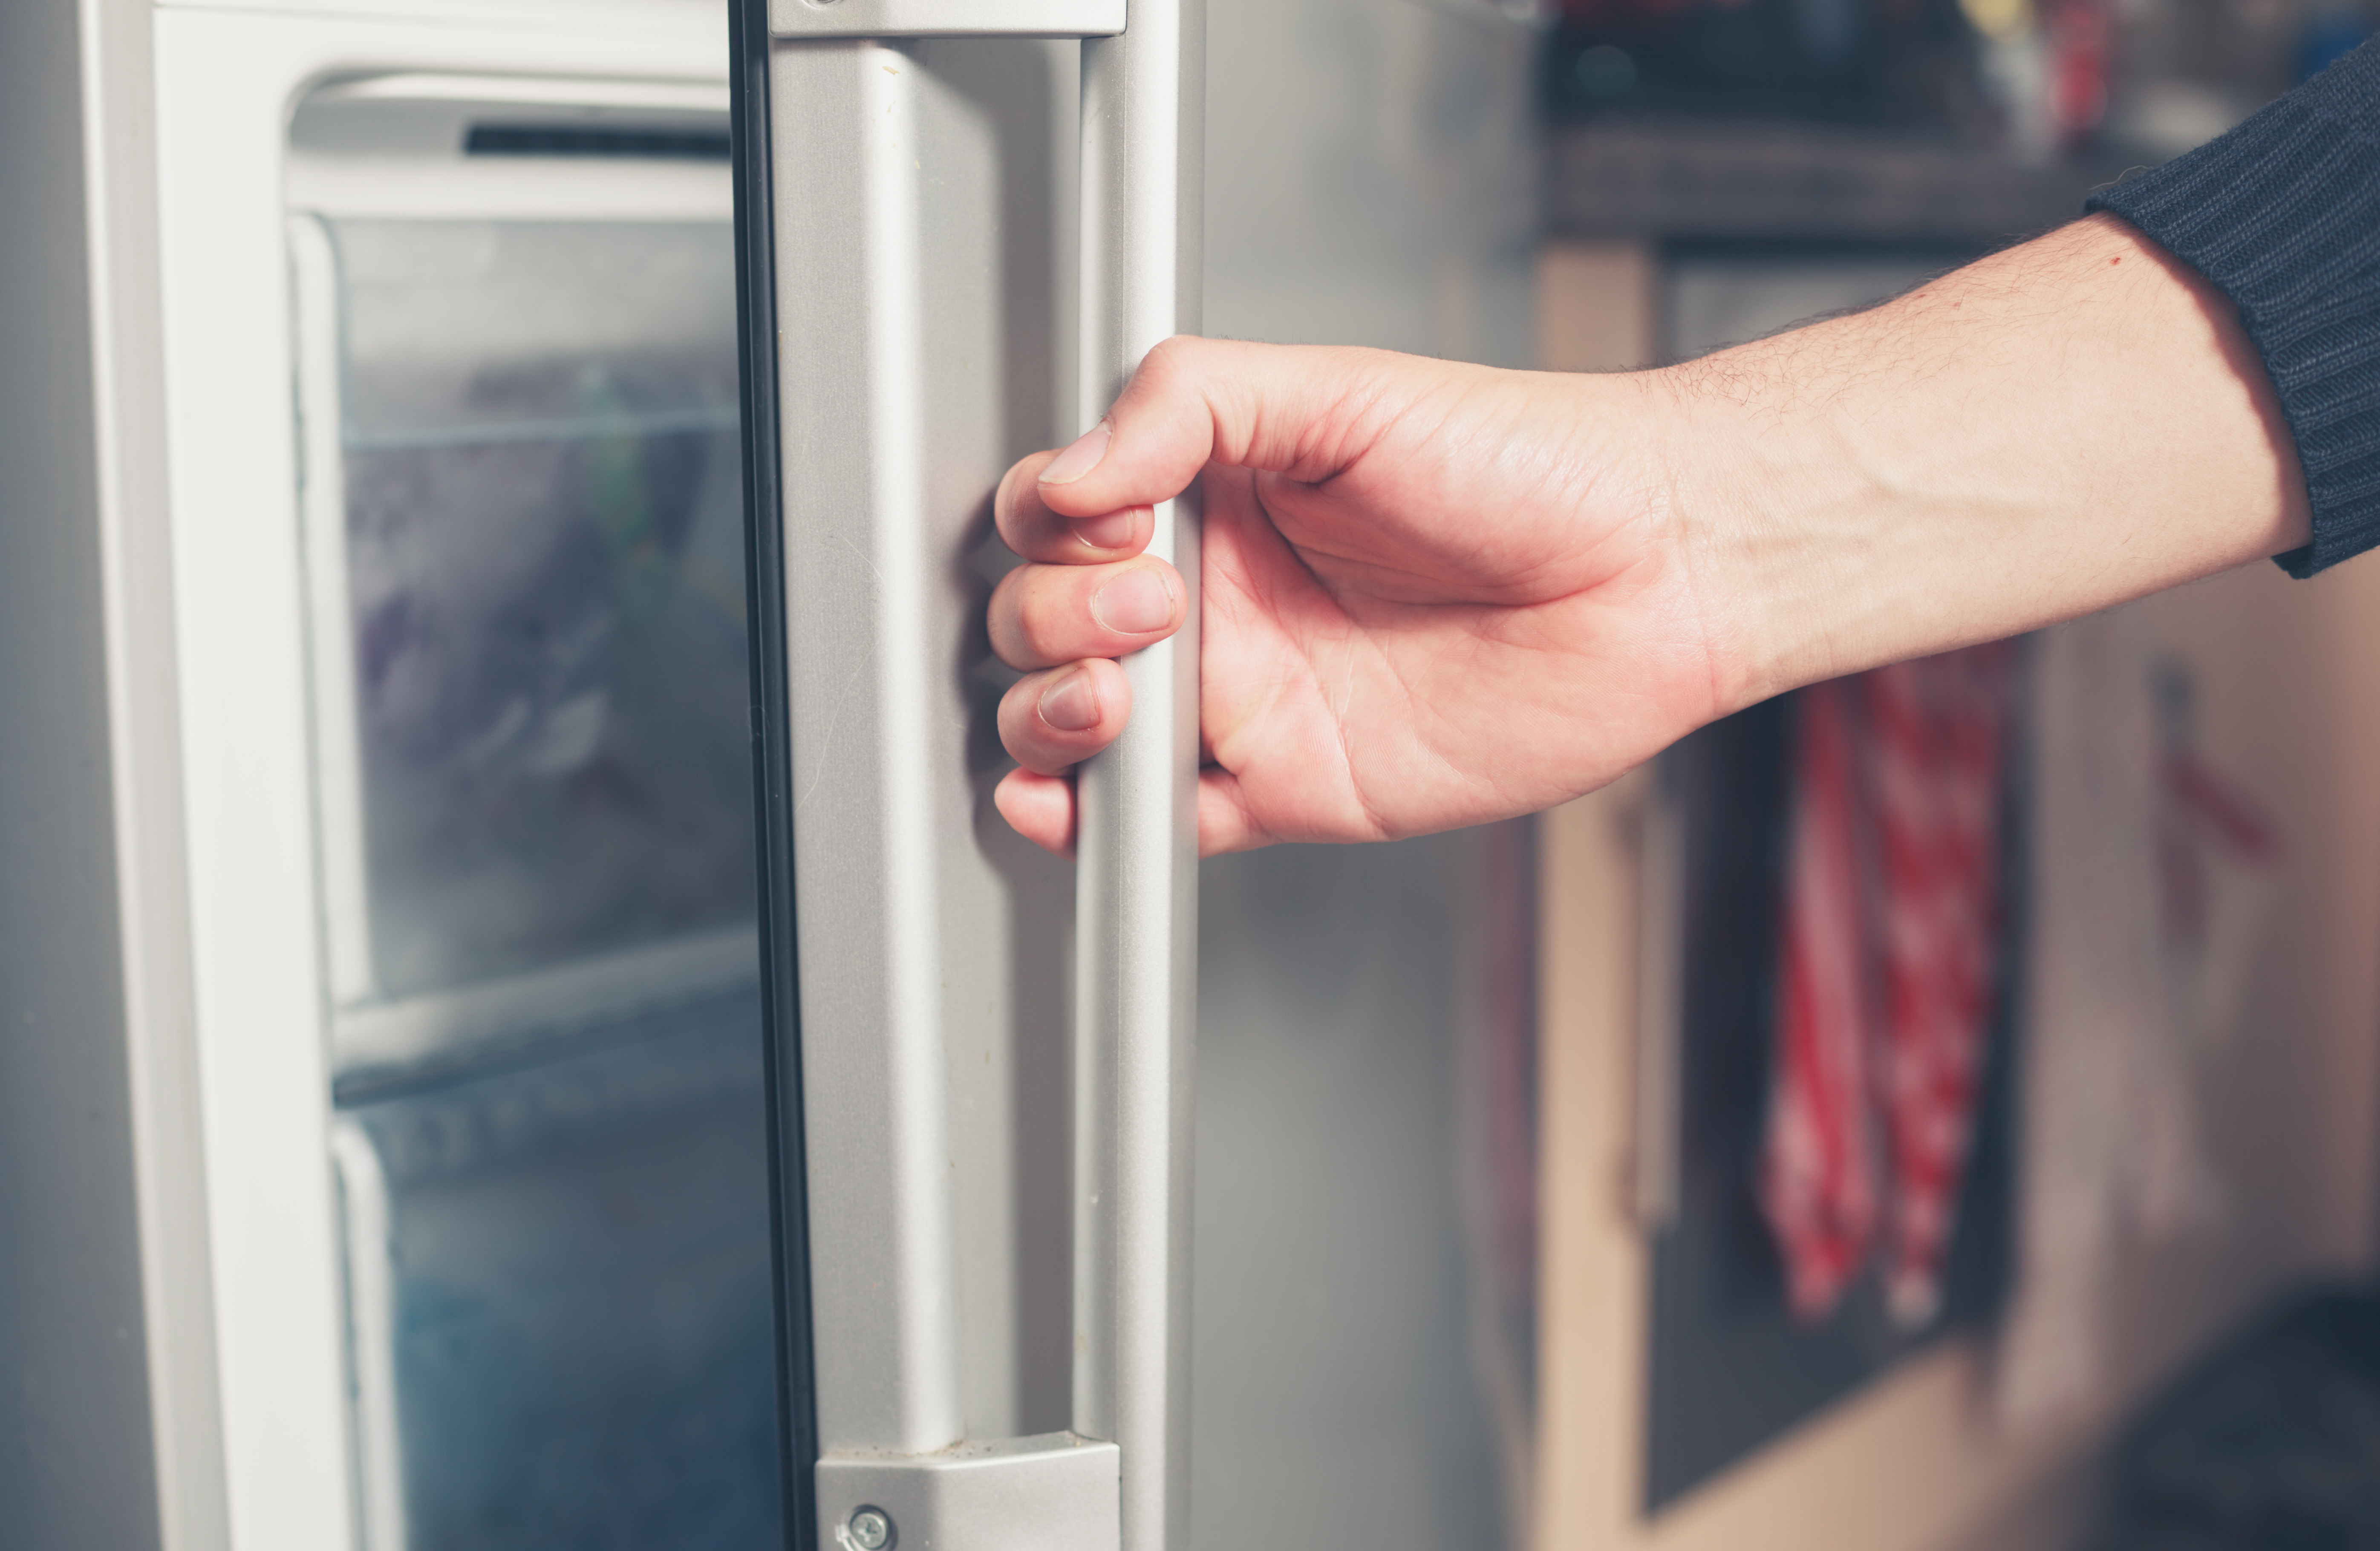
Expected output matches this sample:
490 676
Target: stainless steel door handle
1136 890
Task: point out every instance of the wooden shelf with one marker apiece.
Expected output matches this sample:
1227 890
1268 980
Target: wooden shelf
1682 179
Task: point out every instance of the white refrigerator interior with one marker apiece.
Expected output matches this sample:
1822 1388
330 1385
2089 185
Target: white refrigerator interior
523 538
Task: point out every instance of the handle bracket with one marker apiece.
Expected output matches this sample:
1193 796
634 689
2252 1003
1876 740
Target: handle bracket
1052 1492
946 19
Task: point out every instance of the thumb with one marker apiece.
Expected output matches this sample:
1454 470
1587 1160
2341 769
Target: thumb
1278 407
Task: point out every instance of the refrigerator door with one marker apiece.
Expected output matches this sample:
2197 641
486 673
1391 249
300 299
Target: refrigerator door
1363 1331
962 222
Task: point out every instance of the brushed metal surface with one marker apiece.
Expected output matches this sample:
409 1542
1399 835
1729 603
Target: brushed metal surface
108 1350
851 333
1144 101
915 307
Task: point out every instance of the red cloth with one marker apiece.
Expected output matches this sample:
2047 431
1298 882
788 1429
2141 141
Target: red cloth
1889 947
1819 1179
1938 737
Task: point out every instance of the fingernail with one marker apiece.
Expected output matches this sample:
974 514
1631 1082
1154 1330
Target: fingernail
1137 603
1078 459
1071 705
1111 532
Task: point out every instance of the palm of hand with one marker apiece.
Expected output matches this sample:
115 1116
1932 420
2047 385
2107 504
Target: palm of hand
1448 605
1408 647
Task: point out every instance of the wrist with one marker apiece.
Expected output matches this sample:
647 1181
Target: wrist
2050 431
1760 520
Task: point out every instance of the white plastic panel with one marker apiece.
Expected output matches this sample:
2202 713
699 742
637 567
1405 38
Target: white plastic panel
225 82
402 145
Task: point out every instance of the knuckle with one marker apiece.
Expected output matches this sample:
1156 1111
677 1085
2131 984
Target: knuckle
1003 499
1170 358
1011 509
1037 618
1005 618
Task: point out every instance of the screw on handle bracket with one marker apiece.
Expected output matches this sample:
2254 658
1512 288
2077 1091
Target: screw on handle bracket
867 1529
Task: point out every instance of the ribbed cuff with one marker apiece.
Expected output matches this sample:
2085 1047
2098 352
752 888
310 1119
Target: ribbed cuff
2282 215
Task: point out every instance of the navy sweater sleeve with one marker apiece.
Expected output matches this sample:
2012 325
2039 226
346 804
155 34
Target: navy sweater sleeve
2282 215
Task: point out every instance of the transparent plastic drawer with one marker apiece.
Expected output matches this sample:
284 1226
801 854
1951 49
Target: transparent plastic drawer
529 597
559 1294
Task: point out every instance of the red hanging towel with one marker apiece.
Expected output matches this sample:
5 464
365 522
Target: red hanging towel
1938 736
1888 950
1818 1178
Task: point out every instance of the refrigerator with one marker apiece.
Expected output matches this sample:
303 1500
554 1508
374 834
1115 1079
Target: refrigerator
526 1030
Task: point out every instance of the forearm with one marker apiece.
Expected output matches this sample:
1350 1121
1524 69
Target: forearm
2057 429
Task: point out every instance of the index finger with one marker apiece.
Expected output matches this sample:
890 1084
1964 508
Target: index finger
1028 526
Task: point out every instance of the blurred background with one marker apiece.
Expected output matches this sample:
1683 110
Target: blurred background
2071 1260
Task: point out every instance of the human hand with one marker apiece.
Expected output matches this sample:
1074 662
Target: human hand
1434 594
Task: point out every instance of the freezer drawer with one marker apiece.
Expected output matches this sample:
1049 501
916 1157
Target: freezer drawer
559 1295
